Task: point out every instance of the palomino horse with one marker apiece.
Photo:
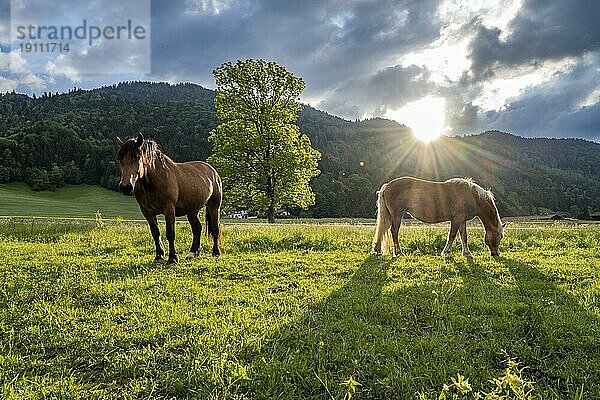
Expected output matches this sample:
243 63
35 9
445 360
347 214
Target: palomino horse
162 186
456 200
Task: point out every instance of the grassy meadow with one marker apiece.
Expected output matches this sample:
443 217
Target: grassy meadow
297 311
17 199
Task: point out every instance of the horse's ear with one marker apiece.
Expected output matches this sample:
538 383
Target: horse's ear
120 141
139 140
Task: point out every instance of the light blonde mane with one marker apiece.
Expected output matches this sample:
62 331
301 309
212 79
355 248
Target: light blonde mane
485 195
481 192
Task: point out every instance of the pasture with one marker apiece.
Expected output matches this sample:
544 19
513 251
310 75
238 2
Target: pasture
69 201
295 311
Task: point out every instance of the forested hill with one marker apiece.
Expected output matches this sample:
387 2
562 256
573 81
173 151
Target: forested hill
70 138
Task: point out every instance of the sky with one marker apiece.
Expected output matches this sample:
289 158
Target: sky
529 67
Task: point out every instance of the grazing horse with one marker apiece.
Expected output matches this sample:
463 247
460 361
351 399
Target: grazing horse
163 186
456 200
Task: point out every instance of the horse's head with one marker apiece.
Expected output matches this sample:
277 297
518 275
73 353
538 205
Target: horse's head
493 238
131 163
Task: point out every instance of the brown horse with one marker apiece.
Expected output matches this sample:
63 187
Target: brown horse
456 200
162 186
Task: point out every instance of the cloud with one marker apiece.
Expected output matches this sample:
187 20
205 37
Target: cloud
567 105
8 85
32 81
62 66
388 89
542 30
328 43
13 62
15 74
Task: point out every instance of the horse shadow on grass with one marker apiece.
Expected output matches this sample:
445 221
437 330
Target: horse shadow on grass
380 338
398 338
555 333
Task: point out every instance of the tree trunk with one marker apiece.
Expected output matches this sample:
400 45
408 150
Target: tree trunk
271 197
271 214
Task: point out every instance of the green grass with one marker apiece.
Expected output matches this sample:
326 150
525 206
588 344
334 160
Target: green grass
17 199
293 311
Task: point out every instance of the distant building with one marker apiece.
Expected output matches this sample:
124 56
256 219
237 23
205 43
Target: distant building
245 214
282 212
238 214
544 217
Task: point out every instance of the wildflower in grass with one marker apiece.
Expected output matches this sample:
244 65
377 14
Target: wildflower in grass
462 384
99 221
351 386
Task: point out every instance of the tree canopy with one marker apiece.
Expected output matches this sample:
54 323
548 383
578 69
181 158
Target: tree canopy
265 161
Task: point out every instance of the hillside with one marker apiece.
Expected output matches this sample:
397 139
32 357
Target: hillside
17 199
54 140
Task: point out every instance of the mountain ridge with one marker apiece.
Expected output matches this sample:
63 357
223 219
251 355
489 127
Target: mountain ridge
50 140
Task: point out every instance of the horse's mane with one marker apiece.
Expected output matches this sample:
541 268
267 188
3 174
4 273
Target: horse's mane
481 192
149 149
484 194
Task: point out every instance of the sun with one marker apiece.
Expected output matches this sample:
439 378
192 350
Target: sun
426 117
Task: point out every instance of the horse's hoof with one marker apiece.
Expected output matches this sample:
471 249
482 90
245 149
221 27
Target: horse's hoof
445 254
192 255
467 255
159 258
216 252
172 261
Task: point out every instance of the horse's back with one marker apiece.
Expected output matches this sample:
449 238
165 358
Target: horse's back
197 168
430 201
198 182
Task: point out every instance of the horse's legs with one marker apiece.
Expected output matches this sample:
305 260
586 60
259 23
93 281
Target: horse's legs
155 231
451 236
396 223
170 220
213 209
196 232
462 230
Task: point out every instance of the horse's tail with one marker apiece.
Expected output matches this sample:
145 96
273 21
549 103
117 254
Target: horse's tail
210 225
382 242
213 214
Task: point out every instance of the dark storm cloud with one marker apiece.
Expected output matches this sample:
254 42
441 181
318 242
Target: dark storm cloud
388 89
542 30
566 106
325 42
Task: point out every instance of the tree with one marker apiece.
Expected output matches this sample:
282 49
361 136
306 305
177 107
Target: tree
38 179
55 177
71 173
265 161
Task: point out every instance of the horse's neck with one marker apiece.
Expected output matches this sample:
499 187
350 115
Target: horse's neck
488 214
158 166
